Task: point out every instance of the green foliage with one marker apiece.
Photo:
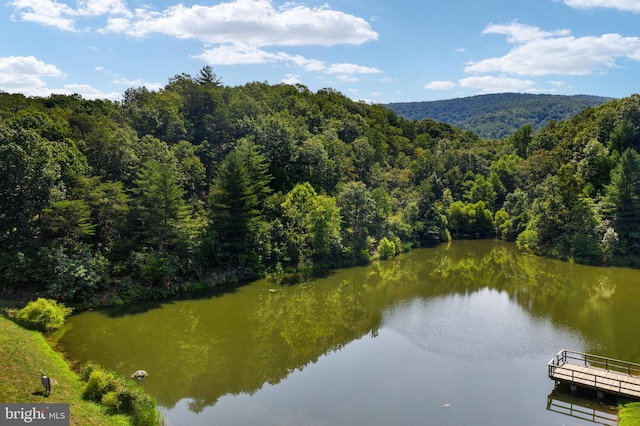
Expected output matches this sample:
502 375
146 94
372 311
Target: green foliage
41 314
468 220
356 207
528 240
624 136
112 401
118 395
500 115
72 272
118 202
86 369
521 139
312 223
67 219
98 384
503 225
386 248
29 179
110 149
480 189
235 199
154 268
623 201
161 209
629 413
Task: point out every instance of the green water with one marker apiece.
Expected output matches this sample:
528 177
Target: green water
454 335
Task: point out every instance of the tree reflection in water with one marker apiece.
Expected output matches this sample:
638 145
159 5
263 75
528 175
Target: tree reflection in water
234 343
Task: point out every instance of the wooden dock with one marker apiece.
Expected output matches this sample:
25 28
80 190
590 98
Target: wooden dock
596 372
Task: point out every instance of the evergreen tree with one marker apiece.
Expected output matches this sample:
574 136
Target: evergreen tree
160 207
257 167
207 76
234 211
67 219
623 201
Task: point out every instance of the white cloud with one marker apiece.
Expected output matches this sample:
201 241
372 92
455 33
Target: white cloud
255 22
344 68
489 84
305 63
45 12
138 83
440 85
233 32
101 7
24 72
520 33
540 53
348 78
235 54
291 79
86 92
624 5
63 16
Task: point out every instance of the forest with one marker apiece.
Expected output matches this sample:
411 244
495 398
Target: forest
495 116
197 184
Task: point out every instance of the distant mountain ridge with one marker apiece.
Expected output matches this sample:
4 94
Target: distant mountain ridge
496 116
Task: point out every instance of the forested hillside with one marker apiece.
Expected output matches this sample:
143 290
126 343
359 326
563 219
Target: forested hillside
496 116
198 183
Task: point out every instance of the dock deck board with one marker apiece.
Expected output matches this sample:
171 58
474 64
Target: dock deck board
586 370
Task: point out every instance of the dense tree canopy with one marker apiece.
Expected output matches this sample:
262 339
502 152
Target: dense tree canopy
106 202
499 115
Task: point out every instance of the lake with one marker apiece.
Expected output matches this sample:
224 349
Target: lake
453 335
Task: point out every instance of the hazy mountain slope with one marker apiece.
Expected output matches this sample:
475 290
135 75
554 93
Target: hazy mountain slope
498 115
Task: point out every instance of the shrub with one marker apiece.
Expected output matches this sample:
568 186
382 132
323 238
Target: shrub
87 369
99 383
111 400
386 248
42 314
144 410
73 272
528 240
119 395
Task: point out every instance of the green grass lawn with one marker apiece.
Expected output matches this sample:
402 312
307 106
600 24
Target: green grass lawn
629 414
23 354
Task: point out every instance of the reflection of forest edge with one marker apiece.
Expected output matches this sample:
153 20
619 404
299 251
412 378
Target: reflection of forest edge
260 334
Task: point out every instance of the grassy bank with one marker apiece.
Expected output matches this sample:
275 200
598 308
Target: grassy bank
23 354
629 414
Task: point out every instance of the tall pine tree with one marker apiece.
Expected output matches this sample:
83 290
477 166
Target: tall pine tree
238 189
623 201
161 209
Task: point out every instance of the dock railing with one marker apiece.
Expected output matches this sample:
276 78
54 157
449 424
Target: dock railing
595 378
589 360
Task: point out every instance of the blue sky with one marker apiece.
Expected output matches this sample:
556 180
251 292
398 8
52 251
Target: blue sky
373 50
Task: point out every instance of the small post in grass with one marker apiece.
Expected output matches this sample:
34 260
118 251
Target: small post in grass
46 382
